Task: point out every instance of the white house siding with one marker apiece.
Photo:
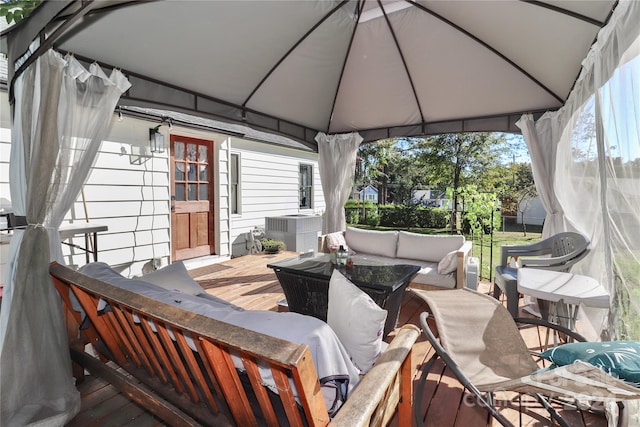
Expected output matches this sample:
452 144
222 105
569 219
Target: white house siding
130 194
133 199
534 213
269 187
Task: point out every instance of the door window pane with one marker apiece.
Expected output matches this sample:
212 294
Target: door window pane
178 151
204 191
179 172
191 152
180 192
193 194
202 158
204 172
178 155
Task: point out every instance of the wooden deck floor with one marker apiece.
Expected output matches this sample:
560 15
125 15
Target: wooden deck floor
247 282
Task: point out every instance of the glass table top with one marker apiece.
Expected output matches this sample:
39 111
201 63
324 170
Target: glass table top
317 265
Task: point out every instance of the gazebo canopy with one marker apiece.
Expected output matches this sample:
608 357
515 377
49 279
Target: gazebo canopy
385 69
319 69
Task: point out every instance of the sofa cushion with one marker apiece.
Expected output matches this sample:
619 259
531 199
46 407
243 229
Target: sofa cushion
174 277
103 272
426 247
428 274
357 320
372 242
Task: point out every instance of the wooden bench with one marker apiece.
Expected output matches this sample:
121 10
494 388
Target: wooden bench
152 341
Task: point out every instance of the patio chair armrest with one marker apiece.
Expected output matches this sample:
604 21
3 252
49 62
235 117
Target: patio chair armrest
537 248
550 263
463 255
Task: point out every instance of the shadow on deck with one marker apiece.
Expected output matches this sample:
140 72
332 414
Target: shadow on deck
247 282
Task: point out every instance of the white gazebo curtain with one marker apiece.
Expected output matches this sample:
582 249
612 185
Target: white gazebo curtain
590 178
542 150
62 113
337 164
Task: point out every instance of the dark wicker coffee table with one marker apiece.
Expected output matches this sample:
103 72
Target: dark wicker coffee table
305 281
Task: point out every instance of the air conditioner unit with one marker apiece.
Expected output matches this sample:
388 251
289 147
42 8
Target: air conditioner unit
473 272
299 232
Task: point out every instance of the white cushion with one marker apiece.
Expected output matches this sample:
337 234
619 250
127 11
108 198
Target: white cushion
336 240
383 243
174 277
357 320
428 274
426 247
449 263
103 272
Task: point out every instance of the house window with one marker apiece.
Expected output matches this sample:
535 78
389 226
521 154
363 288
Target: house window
234 182
306 186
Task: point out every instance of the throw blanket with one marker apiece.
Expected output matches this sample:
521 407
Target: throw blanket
329 355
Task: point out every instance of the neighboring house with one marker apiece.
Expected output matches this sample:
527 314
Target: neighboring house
368 193
531 211
430 198
202 196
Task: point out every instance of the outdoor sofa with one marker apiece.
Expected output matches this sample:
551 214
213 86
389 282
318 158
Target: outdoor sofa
204 361
443 259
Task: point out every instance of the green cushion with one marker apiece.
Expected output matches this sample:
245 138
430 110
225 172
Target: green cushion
621 359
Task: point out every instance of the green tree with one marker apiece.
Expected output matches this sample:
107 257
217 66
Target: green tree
456 160
479 209
407 173
374 160
393 168
17 10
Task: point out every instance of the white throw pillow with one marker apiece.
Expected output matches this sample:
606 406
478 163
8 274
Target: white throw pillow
357 320
449 263
337 239
174 277
383 243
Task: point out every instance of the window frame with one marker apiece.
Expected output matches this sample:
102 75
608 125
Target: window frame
237 185
303 168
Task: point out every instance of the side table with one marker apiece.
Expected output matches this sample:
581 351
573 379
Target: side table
558 287
83 228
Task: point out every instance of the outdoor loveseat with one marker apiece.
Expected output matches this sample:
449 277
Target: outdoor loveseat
443 259
195 369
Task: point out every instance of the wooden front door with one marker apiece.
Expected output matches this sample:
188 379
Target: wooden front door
192 219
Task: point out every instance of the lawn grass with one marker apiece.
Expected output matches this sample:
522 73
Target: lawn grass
487 248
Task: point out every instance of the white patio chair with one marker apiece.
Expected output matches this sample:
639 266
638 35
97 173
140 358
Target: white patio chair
559 252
